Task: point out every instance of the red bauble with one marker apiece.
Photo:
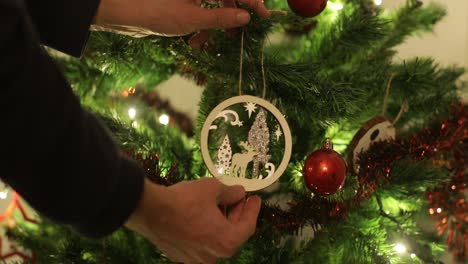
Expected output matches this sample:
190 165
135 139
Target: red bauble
324 171
307 8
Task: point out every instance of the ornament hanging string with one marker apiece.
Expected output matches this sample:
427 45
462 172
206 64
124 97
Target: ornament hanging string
404 107
241 63
387 93
263 72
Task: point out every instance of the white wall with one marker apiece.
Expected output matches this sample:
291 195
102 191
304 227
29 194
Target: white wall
448 43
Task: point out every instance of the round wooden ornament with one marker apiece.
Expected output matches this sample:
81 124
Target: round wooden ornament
379 128
248 163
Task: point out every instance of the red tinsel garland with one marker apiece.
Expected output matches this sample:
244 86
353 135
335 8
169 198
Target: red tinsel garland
446 136
445 142
443 136
150 163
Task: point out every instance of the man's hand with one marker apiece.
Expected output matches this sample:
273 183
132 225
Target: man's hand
185 222
171 17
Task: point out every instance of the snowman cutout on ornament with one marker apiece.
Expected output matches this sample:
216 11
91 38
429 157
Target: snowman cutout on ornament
378 129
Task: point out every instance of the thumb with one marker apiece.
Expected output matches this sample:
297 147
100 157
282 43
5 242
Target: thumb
231 195
220 18
247 222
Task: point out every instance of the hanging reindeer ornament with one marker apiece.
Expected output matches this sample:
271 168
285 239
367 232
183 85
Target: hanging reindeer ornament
377 129
265 142
264 147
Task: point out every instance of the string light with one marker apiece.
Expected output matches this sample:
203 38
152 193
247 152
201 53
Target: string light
439 210
335 6
400 248
378 2
413 255
164 119
132 112
3 195
134 124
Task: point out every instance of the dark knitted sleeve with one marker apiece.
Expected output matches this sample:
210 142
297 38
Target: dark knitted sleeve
56 155
63 24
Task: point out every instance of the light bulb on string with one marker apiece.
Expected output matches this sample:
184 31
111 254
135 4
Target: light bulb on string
132 112
335 6
400 248
378 2
413 255
164 119
3 194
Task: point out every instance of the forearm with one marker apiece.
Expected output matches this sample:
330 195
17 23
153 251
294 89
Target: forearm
59 157
61 24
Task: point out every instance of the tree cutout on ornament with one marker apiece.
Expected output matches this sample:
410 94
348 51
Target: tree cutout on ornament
224 156
257 144
377 129
259 139
241 160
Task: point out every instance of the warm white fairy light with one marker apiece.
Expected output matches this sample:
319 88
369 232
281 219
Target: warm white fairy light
164 119
132 112
439 210
400 248
378 2
335 6
3 195
134 124
413 255
220 170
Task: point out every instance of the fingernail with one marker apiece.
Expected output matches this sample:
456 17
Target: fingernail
243 18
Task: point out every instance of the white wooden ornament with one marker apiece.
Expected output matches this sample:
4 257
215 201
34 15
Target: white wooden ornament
240 161
376 129
225 114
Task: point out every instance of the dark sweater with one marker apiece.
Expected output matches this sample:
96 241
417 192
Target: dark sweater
60 158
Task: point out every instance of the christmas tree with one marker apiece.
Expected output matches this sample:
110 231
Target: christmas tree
399 125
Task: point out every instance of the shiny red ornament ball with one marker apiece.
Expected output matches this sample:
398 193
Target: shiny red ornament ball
307 8
324 171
